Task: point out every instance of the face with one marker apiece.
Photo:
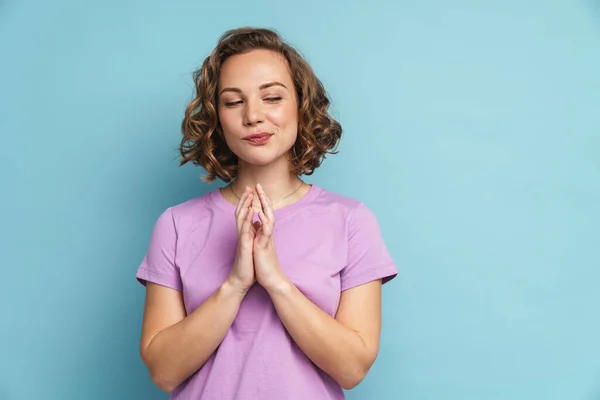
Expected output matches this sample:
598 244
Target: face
257 106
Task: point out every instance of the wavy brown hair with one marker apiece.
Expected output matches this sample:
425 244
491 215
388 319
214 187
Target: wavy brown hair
203 142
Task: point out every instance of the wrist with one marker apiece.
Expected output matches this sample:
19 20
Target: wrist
281 287
232 287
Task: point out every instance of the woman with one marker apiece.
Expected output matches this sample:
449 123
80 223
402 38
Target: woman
269 288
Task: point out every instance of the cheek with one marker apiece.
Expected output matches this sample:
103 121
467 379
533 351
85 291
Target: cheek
229 133
285 117
225 120
228 124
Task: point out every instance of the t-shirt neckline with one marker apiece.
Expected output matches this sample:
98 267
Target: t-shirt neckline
217 197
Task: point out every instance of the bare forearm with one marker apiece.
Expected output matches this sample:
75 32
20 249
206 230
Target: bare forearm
336 349
180 350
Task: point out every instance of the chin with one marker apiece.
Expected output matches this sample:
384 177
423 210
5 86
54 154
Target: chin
260 158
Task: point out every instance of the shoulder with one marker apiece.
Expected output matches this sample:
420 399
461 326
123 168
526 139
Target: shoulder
348 207
191 207
190 212
337 199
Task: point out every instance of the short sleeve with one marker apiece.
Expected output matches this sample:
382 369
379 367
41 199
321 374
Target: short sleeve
158 265
368 256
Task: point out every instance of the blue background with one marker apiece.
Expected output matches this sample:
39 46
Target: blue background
472 130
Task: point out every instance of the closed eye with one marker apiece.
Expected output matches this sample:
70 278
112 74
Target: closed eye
233 103
273 99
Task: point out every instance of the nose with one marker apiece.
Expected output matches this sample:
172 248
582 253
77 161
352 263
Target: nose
253 113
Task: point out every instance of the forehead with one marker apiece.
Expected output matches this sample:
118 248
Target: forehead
253 69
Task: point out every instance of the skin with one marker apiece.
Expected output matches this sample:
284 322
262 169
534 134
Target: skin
256 94
173 345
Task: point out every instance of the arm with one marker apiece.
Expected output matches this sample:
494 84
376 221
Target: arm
344 347
174 346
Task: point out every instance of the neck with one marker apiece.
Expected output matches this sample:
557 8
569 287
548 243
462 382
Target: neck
276 180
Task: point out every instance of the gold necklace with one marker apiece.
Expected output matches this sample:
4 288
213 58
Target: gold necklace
271 203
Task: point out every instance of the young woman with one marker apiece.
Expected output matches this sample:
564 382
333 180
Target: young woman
268 288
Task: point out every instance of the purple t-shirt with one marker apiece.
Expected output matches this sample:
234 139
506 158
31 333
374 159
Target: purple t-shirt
325 243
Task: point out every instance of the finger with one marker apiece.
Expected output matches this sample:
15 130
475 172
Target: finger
266 226
265 204
247 222
245 211
241 202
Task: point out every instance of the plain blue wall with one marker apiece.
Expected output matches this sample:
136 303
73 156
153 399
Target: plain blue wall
472 130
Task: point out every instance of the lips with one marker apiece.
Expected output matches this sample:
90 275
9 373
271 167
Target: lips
258 138
255 136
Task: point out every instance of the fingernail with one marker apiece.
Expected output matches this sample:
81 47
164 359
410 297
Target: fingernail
259 187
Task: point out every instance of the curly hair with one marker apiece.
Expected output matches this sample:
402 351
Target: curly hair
203 142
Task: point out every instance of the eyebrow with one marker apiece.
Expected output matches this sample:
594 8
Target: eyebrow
261 87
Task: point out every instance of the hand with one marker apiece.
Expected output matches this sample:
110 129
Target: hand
242 274
266 266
